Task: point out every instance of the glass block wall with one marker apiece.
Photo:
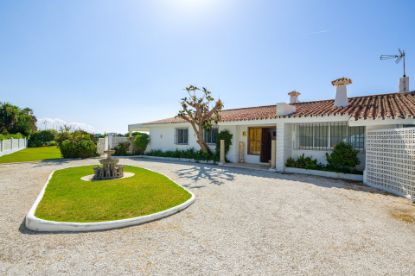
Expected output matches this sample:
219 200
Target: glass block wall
390 160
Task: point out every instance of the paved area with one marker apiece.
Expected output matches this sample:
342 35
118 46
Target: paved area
243 222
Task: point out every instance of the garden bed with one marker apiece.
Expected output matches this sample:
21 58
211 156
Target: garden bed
68 203
176 159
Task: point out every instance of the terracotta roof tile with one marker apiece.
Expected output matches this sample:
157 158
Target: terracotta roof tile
393 105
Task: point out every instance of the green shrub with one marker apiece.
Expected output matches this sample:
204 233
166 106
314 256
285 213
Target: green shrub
52 143
78 148
223 135
303 162
77 144
122 149
343 158
42 138
140 142
291 162
78 135
7 136
187 154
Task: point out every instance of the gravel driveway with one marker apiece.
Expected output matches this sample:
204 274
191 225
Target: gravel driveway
243 222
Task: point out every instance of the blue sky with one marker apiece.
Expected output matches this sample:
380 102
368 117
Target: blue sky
111 63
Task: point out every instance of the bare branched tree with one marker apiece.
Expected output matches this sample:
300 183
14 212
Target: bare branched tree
201 110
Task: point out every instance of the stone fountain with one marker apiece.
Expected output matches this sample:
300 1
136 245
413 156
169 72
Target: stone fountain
109 168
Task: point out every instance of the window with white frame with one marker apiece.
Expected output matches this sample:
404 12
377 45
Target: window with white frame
325 136
182 136
210 135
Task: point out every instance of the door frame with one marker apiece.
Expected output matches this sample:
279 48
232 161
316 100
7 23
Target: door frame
271 129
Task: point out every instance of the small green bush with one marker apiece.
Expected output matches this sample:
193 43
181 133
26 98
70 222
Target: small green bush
78 148
187 154
140 142
77 144
227 137
291 162
122 149
7 136
52 143
343 158
42 138
304 163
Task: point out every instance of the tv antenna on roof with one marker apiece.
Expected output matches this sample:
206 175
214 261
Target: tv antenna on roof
397 58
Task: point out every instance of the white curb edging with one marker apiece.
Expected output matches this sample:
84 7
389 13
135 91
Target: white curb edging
36 224
345 176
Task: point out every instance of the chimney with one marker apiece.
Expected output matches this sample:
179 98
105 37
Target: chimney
294 96
341 91
404 84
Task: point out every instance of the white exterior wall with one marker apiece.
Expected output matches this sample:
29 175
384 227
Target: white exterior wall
237 132
233 153
162 137
249 158
284 145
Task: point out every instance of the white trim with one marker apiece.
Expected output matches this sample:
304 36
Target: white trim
376 122
314 119
305 119
36 224
262 122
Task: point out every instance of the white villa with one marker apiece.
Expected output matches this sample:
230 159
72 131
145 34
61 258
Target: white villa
309 128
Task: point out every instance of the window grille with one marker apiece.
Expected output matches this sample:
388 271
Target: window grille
390 160
210 135
324 136
182 136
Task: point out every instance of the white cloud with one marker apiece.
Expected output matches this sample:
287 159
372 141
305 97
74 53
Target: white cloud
56 123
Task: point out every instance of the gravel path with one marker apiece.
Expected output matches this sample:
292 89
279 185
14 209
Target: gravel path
243 222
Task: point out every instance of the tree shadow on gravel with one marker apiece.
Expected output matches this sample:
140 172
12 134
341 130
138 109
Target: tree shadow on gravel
214 174
219 175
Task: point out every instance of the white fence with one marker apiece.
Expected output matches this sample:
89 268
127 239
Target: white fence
110 142
11 145
390 160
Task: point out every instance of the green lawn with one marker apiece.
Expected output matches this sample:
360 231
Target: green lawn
68 198
32 154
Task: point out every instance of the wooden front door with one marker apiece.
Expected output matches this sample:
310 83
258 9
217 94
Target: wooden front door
266 145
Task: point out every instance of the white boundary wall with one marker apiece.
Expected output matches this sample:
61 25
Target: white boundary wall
12 145
110 141
390 160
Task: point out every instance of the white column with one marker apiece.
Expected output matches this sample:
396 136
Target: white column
273 154
280 160
236 138
222 152
241 153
